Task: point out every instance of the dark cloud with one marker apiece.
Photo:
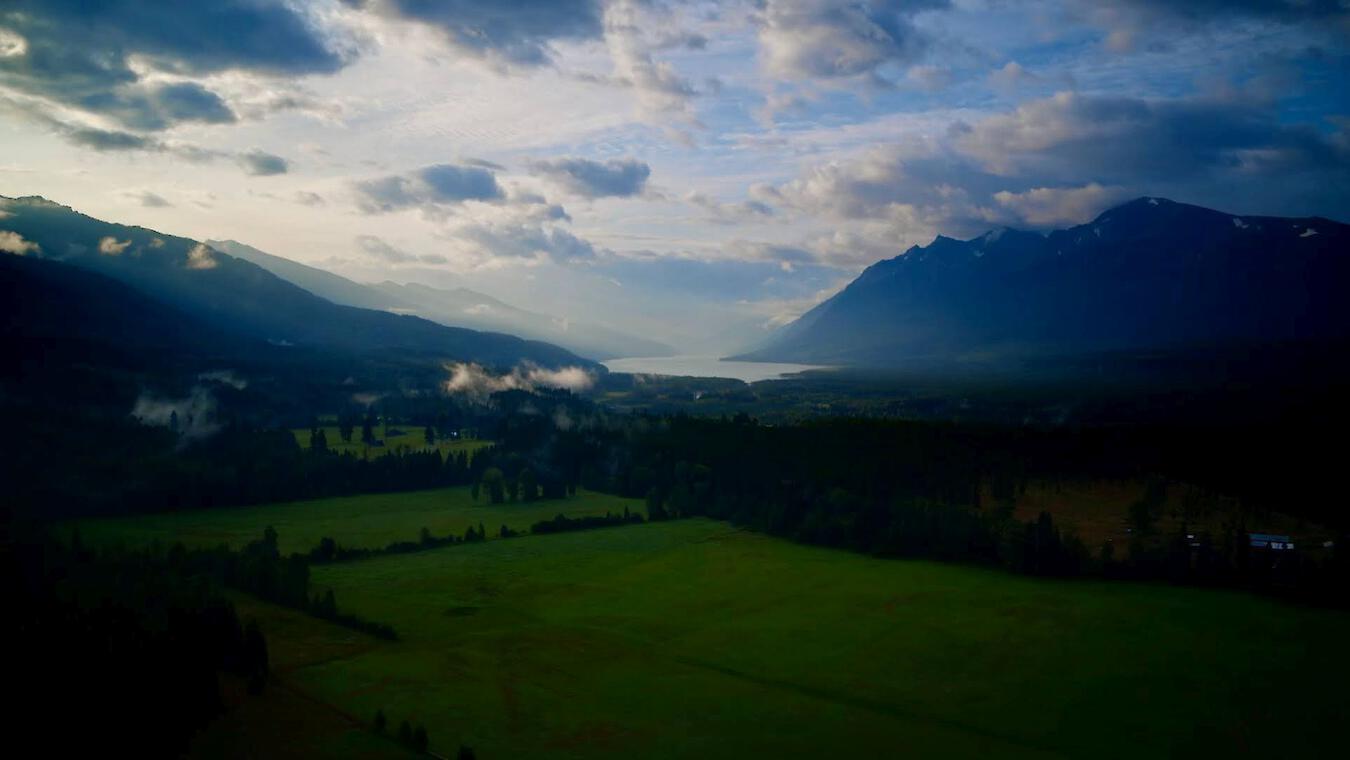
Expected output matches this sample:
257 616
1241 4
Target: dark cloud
1063 159
1130 23
306 198
525 241
155 108
78 53
149 199
105 140
622 178
516 33
259 163
826 39
1118 139
442 184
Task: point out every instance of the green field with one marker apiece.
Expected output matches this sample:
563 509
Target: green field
693 639
394 437
368 521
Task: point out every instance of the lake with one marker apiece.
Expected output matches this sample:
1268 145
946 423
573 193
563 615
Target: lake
706 366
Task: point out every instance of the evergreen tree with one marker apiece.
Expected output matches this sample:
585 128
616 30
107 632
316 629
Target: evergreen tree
465 753
368 428
529 485
405 732
430 435
419 738
173 422
345 427
494 482
380 721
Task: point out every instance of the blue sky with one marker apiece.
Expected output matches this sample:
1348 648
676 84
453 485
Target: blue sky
701 172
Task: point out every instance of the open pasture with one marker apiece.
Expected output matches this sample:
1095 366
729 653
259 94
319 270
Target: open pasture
392 438
368 521
694 639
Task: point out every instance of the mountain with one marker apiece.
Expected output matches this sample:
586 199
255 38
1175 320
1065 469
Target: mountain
323 284
1150 274
242 298
458 307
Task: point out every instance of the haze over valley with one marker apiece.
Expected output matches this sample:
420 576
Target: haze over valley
675 379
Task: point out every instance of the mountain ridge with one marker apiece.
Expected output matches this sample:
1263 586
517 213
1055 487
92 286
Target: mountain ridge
1149 273
245 299
454 307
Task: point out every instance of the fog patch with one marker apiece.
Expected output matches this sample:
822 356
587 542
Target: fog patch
562 420
13 242
201 257
366 399
225 377
109 246
475 382
192 417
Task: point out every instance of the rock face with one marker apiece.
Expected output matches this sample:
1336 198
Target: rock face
1150 274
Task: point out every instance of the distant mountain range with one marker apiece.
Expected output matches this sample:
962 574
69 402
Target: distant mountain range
241 299
458 307
1147 275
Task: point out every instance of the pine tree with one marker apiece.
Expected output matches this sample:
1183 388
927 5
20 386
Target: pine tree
430 434
380 721
419 738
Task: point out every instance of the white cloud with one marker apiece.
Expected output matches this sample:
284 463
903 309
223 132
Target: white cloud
109 246
201 257
13 242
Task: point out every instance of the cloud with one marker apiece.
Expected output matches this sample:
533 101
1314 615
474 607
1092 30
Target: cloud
157 107
1011 76
13 242
516 34
201 257
660 90
306 198
522 240
477 383
620 178
1130 22
1058 161
193 417
149 199
259 163
438 185
109 246
376 248
1069 136
826 39
720 212
110 140
94 57
1060 207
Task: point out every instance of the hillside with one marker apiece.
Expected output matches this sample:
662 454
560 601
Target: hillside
457 307
243 299
1151 274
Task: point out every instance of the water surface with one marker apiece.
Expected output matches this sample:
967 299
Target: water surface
706 366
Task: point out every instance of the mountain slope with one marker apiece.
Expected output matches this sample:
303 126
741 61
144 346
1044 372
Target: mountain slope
458 307
1150 274
323 284
246 300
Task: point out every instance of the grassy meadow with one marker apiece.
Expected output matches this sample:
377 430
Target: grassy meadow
366 521
394 438
694 639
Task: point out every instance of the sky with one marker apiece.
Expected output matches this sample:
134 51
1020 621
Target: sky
700 173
